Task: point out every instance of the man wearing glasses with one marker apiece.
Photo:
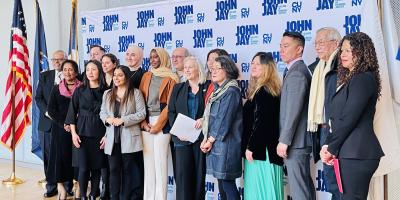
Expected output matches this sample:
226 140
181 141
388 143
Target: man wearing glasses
178 56
47 80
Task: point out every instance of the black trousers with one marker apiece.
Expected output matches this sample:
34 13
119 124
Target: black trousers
356 176
105 187
190 172
83 179
45 139
126 174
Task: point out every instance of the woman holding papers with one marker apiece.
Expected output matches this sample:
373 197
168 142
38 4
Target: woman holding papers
222 128
122 110
188 99
263 172
156 86
352 139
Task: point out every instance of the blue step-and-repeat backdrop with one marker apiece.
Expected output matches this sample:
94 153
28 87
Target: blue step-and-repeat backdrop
242 27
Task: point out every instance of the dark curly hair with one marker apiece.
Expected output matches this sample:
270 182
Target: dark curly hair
363 51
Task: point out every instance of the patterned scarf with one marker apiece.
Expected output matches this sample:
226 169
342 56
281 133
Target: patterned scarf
64 89
216 94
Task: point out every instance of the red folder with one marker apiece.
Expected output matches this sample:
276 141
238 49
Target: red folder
336 167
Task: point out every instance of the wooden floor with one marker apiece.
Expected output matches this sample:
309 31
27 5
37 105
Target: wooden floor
29 190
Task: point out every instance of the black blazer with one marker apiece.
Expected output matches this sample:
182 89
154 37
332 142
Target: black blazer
352 117
178 103
261 126
43 90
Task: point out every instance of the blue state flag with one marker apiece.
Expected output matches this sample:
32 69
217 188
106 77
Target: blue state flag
40 64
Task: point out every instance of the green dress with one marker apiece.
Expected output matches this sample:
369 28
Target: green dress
263 180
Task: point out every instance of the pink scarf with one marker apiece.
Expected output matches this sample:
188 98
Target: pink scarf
65 91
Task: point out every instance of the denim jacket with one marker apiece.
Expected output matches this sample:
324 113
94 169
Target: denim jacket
226 126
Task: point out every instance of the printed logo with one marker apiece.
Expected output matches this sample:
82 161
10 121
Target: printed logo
145 19
92 41
202 38
247 35
233 57
267 38
274 7
226 10
163 40
330 4
245 12
146 64
356 2
352 24
296 6
184 14
124 41
83 24
302 26
110 22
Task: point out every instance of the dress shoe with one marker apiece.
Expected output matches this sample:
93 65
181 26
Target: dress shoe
50 194
70 193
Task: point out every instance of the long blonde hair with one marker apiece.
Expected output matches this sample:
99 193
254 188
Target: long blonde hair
269 79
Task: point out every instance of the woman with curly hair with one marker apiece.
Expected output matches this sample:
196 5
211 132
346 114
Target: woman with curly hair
352 139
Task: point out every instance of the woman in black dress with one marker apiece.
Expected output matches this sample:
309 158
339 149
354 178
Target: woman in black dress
61 143
87 129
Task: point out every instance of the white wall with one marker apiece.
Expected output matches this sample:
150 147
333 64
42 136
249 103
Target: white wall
56 16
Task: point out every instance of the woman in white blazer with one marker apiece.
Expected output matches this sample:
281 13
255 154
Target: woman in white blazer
122 110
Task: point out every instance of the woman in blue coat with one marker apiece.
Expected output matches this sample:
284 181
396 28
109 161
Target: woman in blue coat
223 127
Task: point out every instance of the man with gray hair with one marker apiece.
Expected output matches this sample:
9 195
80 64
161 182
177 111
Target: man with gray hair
323 87
47 80
178 55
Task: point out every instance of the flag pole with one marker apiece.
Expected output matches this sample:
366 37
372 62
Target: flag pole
13 180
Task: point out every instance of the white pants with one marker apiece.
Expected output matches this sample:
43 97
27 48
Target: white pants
155 157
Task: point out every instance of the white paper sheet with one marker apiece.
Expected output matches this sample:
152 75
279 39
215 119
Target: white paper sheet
184 128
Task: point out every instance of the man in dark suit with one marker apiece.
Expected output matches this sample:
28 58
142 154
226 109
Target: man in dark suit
323 87
294 142
47 80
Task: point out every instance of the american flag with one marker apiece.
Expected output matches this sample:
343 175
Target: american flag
18 96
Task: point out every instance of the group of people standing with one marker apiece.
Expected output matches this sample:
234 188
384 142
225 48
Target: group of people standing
112 122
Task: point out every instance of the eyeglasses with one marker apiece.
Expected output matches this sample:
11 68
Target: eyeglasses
322 43
57 60
216 69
